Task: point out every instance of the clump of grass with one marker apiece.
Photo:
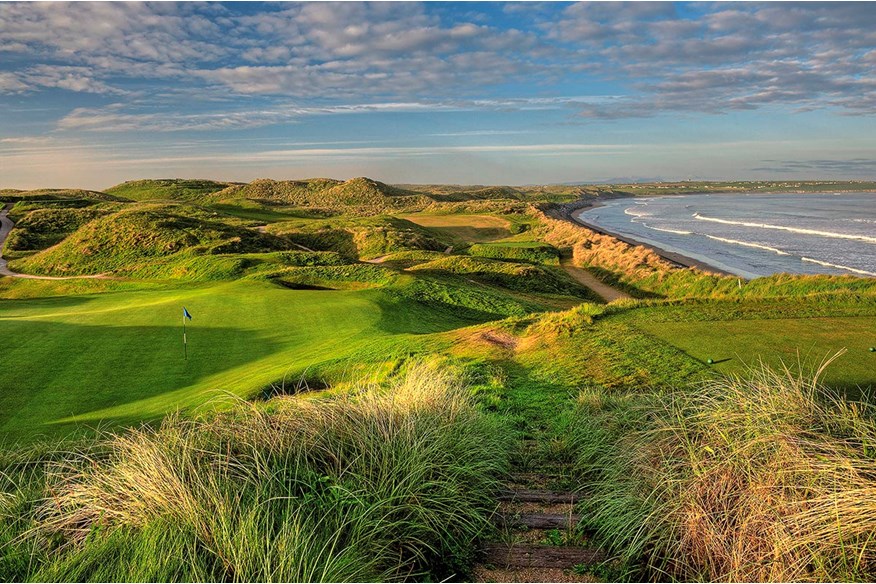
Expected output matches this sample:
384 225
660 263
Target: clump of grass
768 477
526 251
379 484
522 277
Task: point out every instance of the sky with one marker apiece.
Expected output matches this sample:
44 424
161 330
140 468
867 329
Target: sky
92 94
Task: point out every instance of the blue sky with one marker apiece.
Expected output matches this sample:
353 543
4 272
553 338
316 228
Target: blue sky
480 93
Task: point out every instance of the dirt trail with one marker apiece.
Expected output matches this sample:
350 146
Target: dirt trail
584 277
6 226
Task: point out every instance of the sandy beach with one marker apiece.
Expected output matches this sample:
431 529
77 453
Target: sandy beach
670 256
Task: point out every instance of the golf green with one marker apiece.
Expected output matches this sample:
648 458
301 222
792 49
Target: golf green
118 357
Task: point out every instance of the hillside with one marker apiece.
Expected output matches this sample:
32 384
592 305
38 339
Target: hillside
131 238
175 189
362 195
14 195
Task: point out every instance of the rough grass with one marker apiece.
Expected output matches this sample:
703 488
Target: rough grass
175 189
379 484
42 228
513 276
129 240
361 196
766 477
522 251
360 237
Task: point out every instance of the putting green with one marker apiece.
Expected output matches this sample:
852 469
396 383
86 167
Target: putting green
118 357
735 345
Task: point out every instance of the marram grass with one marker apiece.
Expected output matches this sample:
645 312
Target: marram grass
381 484
767 477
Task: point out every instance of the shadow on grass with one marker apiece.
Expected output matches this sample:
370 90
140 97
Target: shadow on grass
53 371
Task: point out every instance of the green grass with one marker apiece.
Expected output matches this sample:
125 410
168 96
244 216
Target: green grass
360 237
738 334
42 228
118 357
385 483
522 277
763 477
527 251
465 228
360 196
131 240
166 189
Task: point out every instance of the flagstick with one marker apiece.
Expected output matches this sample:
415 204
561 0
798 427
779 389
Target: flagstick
185 341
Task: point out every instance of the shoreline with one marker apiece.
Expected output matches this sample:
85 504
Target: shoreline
678 259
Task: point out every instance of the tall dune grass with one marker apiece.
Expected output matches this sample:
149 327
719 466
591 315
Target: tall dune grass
381 484
768 477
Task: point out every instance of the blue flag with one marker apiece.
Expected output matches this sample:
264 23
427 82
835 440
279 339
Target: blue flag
186 313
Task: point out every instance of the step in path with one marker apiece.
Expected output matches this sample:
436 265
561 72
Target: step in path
538 538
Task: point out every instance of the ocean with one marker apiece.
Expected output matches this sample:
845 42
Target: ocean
753 235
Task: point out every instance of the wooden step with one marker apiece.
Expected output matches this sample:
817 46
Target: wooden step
539 520
538 496
539 556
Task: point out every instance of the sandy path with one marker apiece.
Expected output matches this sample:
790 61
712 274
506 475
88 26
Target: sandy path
584 277
6 226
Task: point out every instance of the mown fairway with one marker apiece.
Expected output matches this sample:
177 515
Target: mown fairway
118 357
737 345
470 228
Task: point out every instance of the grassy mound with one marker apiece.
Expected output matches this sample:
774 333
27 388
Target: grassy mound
522 251
43 228
520 277
381 484
128 240
363 195
174 189
768 477
360 237
47 195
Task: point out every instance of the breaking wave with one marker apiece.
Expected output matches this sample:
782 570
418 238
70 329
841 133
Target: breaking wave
839 267
748 244
799 230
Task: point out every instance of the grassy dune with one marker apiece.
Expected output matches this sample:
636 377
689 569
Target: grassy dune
166 189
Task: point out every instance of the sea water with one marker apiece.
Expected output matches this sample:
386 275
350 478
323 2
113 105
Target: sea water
753 234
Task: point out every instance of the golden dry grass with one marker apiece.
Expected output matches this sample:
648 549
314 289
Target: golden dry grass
769 477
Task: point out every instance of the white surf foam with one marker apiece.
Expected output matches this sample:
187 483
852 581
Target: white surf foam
838 266
748 244
663 229
636 212
799 230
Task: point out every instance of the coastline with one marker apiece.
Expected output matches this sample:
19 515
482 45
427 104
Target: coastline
678 259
